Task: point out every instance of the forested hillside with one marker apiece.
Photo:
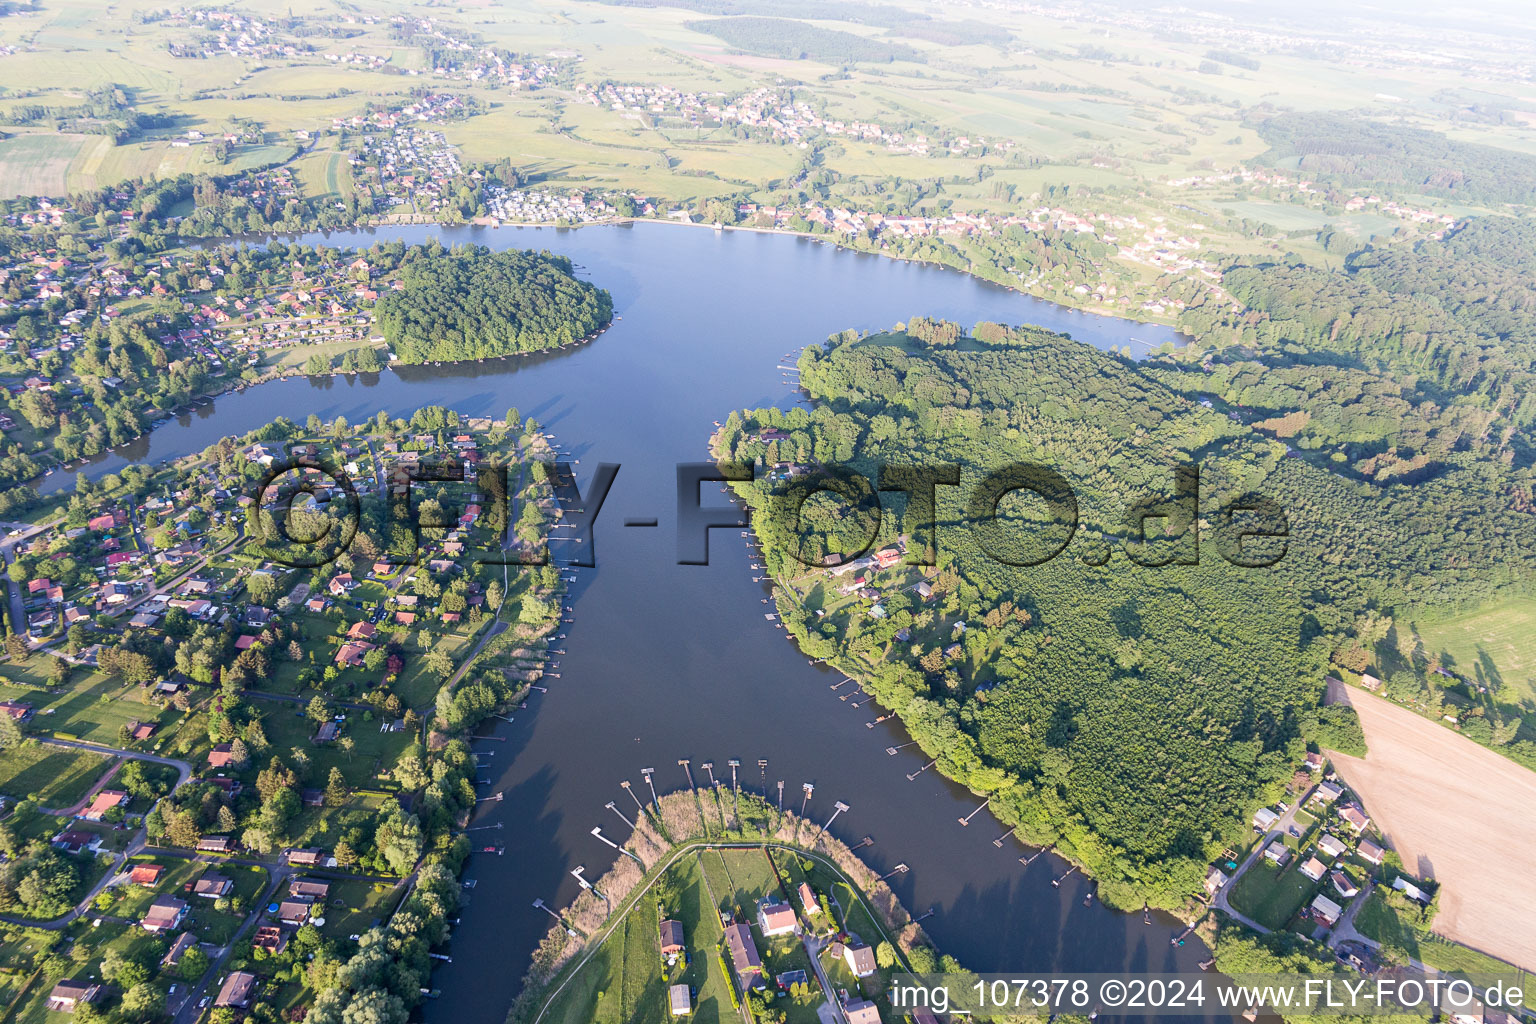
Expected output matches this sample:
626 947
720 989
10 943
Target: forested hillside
1035 683
1342 149
473 303
797 40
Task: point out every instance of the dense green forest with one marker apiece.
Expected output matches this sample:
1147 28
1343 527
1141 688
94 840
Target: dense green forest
1032 683
472 303
1411 373
1344 149
796 40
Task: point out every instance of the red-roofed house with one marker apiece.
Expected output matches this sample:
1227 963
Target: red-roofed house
104 802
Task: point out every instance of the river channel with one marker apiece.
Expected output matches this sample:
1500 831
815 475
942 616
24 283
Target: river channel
667 661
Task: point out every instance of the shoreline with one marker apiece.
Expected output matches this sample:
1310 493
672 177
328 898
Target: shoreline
565 957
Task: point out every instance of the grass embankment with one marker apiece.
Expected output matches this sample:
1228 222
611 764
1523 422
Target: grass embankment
701 857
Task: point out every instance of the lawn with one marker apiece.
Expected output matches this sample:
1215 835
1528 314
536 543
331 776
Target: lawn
92 708
287 726
54 776
354 906
623 981
219 926
1270 895
1494 645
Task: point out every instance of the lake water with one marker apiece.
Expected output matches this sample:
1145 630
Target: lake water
667 661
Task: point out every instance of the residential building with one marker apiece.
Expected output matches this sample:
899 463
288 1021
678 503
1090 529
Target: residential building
1332 846
744 956
295 910
237 990
860 959
312 888
861 1011
164 914
776 919
213 885
184 942
1313 868
1326 911
671 937
808 901
146 875
69 995
271 938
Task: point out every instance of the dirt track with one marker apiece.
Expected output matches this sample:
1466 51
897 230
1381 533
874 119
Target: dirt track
1455 812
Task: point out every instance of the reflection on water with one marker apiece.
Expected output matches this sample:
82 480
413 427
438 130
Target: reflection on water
667 661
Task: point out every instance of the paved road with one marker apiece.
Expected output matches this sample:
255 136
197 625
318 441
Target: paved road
1281 827
8 547
135 845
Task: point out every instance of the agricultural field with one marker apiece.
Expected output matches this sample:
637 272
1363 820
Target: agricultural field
1425 785
38 165
1494 646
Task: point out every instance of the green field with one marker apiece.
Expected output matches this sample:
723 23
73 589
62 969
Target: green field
1378 920
623 983
55 777
1272 896
37 165
1494 645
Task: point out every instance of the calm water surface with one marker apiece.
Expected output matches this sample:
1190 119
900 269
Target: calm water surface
667 661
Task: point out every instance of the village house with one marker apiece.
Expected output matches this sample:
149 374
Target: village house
1332 846
1371 852
1325 911
352 654
861 1011
776 919
1264 819
311 857
103 802
671 933
213 885
19 711
1327 792
237 990
164 914
295 910
1313 868
1278 853
184 942
309 888
1215 878
73 840
808 901
216 844
1354 817
860 959
146 875
1343 884
744 955
69 995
